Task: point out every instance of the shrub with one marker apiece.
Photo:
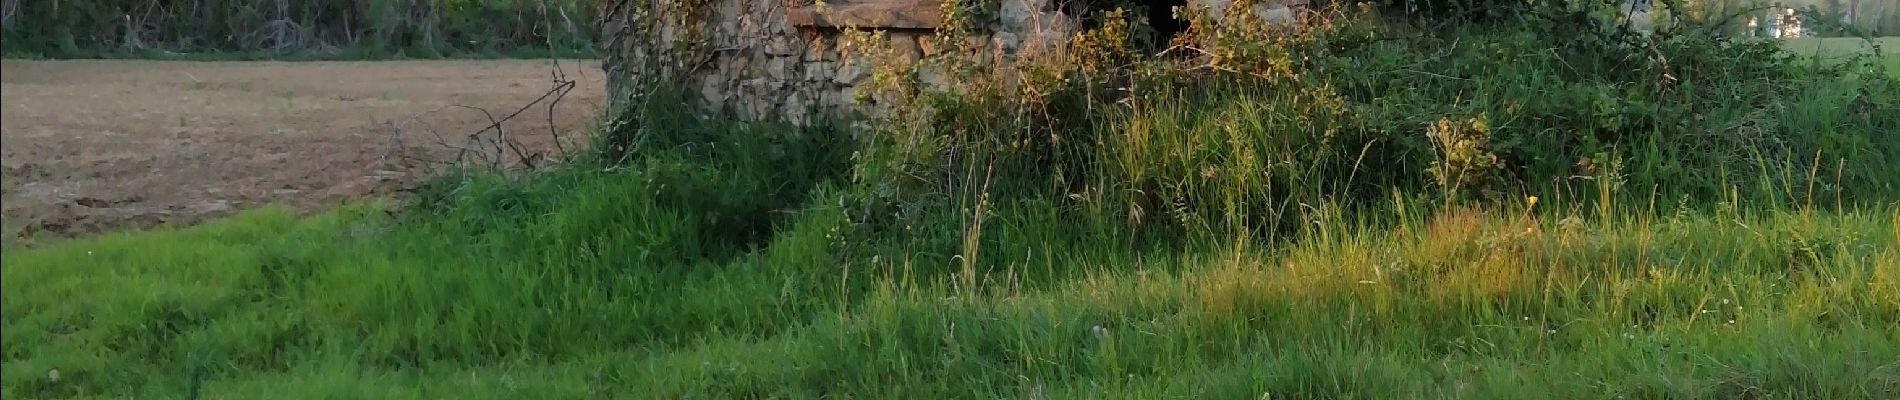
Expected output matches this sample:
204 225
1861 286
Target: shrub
1254 128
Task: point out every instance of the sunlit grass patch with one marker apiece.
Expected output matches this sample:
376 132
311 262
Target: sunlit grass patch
1827 49
1841 46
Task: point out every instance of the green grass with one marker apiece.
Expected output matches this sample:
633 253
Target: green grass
1497 304
1841 48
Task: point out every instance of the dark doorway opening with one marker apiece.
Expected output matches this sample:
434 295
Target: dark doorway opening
1154 22
1161 18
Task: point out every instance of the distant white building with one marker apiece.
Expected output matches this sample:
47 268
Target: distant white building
1780 22
1789 25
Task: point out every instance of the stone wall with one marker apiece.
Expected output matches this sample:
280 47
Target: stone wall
1275 12
788 61
791 60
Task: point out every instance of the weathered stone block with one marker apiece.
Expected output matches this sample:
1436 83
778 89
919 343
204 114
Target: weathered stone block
836 97
781 46
818 71
934 76
1007 41
798 108
1274 13
904 46
779 68
851 71
1014 14
821 49
1280 17
1047 34
984 48
713 90
931 45
732 68
753 104
861 14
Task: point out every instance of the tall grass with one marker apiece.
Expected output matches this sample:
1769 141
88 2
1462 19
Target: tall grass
278 28
1323 234
586 285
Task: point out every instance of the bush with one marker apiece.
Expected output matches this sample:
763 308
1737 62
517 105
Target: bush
1259 127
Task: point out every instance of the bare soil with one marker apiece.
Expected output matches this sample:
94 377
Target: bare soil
97 145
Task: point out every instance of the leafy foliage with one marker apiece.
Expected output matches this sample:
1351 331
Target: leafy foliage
1252 123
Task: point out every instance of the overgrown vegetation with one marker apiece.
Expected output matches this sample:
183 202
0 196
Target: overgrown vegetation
1255 124
298 29
1508 210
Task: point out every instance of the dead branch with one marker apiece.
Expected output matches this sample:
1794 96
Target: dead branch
492 147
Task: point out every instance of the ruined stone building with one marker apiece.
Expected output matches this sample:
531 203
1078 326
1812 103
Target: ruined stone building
786 60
